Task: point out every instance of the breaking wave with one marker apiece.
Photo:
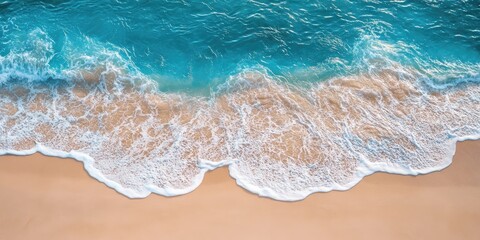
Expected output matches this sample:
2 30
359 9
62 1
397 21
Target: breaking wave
278 139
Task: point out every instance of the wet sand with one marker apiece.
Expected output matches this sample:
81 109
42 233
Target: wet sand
53 198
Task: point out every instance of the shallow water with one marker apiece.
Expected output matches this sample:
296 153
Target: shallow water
294 97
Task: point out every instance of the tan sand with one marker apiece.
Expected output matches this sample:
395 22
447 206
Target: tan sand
53 198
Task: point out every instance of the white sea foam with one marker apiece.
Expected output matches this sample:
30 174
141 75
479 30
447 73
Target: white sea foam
278 140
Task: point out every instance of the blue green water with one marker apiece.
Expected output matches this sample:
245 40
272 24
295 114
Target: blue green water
295 97
198 44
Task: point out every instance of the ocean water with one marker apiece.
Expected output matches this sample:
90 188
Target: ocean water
294 97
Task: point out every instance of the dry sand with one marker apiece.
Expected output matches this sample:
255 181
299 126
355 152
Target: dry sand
53 198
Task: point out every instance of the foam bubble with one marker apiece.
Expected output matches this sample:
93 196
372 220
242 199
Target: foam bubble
278 140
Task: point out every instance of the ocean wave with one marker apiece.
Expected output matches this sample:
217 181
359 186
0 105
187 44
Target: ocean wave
386 110
277 139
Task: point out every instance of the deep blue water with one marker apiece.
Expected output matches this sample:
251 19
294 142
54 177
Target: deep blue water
196 44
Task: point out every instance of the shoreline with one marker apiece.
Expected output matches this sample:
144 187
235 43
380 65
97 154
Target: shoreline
205 166
319 140
57 197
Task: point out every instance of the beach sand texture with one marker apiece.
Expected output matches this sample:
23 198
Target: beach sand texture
53 198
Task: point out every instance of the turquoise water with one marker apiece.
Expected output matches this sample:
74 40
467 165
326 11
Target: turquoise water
198 44
294 97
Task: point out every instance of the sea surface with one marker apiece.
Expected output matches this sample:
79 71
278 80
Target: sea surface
294 97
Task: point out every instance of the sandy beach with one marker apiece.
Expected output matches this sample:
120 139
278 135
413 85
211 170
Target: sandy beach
54 198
